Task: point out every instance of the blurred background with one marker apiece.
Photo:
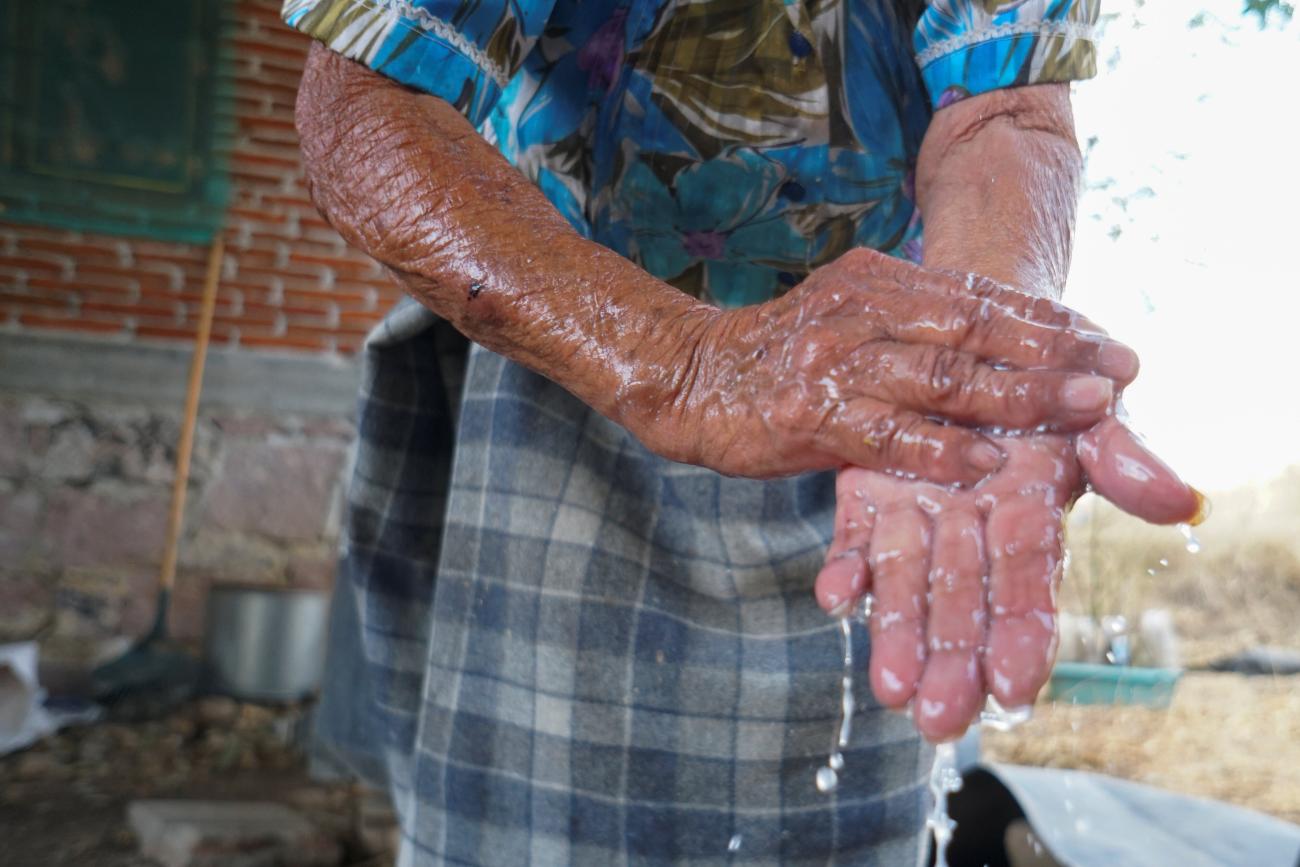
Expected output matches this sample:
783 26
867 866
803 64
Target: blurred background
131 143
1183 250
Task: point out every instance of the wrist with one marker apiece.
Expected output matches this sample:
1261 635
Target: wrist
997 181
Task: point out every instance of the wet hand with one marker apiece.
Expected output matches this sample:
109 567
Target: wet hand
855 365
964 581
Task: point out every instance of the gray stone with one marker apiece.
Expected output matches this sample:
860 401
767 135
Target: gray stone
20 513
71 455
314 569
329 427
40 765
104 528
230 834
216 710
26 604
282 490
39 411
88 602
13 442
233 556
247 426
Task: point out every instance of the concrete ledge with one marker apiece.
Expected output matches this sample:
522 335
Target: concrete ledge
229 834
87 369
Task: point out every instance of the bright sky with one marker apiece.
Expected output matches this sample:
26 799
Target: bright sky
1198 128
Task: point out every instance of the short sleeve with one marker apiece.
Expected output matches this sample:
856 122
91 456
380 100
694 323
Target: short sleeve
464 51
965 47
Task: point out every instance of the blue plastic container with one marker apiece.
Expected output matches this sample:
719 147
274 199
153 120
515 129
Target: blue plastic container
1087 683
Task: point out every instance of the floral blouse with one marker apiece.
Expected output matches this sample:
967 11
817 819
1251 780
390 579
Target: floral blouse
726 146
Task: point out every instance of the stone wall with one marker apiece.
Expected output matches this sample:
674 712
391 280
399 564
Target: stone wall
85 488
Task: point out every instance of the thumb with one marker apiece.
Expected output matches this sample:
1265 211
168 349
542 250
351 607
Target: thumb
1127 473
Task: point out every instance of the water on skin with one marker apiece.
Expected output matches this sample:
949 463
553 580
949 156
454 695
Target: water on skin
1003 719
828 777
944 776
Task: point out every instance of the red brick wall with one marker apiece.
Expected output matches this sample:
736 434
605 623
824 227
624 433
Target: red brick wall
289 281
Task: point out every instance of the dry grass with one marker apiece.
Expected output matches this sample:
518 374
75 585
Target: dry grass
1241 590
1226 736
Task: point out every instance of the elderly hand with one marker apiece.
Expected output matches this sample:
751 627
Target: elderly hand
854 365
964 582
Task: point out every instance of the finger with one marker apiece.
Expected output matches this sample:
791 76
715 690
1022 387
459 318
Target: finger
935 380
952 687
977 314
1032 307
845 577
1127 473
899 568
1025 549
873 267
876 436
986 329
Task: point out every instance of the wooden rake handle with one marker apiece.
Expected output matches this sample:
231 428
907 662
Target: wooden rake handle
185 449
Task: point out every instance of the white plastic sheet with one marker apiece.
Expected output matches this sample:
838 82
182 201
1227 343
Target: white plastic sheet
23 716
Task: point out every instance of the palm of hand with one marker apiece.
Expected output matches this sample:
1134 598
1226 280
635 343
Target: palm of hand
964 581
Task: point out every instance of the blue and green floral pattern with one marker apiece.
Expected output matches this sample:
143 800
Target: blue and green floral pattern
727 146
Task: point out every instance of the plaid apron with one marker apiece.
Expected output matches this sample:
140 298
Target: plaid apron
557 648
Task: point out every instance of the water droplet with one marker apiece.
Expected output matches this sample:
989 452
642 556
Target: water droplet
1003 719
944 780
733 845
827 779
1192 543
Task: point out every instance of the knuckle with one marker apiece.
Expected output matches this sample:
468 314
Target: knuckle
1023 402
975 323
1063 348
856 255
901 438
947 375
878 436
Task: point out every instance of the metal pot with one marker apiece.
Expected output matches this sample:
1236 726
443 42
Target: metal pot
265 643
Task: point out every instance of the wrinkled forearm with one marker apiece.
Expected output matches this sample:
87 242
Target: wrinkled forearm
404 177
997 183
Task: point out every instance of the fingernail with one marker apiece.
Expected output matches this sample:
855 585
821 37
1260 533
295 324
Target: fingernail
984 457
841 609
1085 393
1202 509
1118 361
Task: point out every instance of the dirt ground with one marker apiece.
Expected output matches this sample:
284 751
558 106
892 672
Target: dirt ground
63 801
1226 736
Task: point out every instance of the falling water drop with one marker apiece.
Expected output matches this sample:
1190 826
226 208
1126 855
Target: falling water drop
944 780
1192 543
828 777
1003 719
733 845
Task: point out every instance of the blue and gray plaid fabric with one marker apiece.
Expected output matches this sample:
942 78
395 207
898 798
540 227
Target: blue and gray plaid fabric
556 648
